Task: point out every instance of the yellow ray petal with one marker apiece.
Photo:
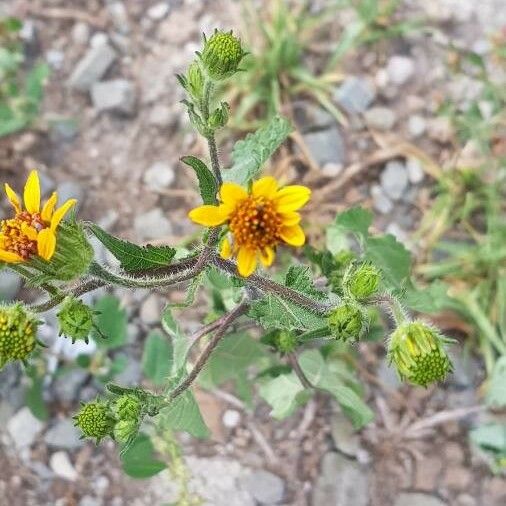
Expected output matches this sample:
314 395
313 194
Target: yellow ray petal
209 216
32 193
294 236
9 257
29 231
225 249
265 187
267 256
46 243
13 198
291 198
60 213
232 193
290 218
48 209
246 261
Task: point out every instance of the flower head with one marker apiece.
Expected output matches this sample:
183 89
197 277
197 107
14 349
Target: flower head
222 54
18 333
418 353
32 230
95 420
258 220
361 280
75 319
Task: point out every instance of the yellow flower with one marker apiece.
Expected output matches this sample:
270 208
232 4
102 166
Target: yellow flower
258 220
32 231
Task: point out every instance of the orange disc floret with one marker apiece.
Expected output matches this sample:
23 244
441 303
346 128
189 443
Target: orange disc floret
32 230
258 220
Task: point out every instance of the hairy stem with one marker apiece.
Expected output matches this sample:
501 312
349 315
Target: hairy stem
297 369
206 353
269 286
398 313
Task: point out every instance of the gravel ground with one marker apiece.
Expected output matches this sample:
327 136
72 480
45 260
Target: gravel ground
116 124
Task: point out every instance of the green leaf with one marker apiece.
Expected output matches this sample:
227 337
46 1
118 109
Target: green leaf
273 311
238 349
496 395
157 358
111 322
131 256
207 181
284 394
184 415
139 461
191 292
251 153
356 220
391 257
491 438
35 401
322 375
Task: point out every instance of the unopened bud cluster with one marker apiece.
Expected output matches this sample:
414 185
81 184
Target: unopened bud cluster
350 320
120 418
18 333
222 55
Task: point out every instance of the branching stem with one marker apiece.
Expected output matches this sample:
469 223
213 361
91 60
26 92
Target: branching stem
202 359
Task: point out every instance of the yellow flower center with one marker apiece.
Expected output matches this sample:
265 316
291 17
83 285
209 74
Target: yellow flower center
15 239
255 223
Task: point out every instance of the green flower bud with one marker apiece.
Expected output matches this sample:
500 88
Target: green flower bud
127 407
125 431
95 420
341 261
221 55
219 117
195 81
73 254
348 322
418 353
361 280
18 333
75 319
285 341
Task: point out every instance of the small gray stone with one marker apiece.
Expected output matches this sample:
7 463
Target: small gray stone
152 225
440 129
88 500
41 470
63 435
331 169
115 95
400 69
355 95
380 118
55 58
10 284
342 482
416 125
345 438
92 67
159 175
310 117
380 201
326 146
64 129
231 418
62 467
66 386
23 428
417 499
398 232
119 16
265 487
150 310
394 179
81 33
415 170
387 375
158 11
98 39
